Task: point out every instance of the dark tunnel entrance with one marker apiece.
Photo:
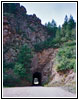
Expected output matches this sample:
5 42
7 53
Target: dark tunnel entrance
36 79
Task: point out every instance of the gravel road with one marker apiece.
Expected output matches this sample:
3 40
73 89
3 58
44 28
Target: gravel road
36 92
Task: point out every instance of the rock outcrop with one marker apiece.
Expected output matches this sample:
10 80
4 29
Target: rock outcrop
20 28
43 62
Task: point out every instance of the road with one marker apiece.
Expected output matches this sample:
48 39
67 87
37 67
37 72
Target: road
29 92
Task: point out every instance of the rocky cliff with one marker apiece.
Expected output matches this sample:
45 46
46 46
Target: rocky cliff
19 28
43 62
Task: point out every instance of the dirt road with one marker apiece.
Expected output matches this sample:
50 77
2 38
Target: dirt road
36 92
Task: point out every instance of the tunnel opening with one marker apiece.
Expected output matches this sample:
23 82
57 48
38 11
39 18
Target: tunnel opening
36 79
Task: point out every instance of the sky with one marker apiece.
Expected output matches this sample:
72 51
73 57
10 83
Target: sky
49 11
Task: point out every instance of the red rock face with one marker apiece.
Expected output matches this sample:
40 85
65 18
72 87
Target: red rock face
5 20
6 30
43 63
19 29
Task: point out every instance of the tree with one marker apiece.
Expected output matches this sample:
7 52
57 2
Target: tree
71 23
10 7
66 19
24 56
23 63
53 23
68 28
58 33
20 70
51 28
65 22
64 26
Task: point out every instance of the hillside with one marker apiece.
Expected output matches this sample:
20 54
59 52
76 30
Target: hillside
31 49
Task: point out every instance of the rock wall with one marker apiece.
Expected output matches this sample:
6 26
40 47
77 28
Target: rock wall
43 62
25 25
20 28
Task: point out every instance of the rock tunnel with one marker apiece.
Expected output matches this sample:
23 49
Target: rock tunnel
36 79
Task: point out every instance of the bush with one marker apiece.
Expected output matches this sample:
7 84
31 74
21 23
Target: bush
8 65
50 43
66 58
66 64
9 80
22 73
19 70
24 56
23 64
10 7
63 65
70 43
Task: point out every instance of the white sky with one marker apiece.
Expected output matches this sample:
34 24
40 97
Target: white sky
48 11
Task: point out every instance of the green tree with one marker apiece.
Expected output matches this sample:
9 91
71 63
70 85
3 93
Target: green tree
51 28
65 22
71 23
64 26
23 64
20 70
10 7
24 56
58 33
68 28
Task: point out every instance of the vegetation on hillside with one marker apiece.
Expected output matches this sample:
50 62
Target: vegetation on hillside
66 57
63 38
19 70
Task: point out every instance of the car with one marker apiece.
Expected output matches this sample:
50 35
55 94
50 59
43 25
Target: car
36 82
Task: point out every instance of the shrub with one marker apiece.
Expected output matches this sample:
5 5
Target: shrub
22 66
66 58
70 43
22 72
65 64
9 80
51 43
19 70
24 56
8 65
10 7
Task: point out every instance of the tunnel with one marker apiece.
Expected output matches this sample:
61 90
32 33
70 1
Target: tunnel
36 79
